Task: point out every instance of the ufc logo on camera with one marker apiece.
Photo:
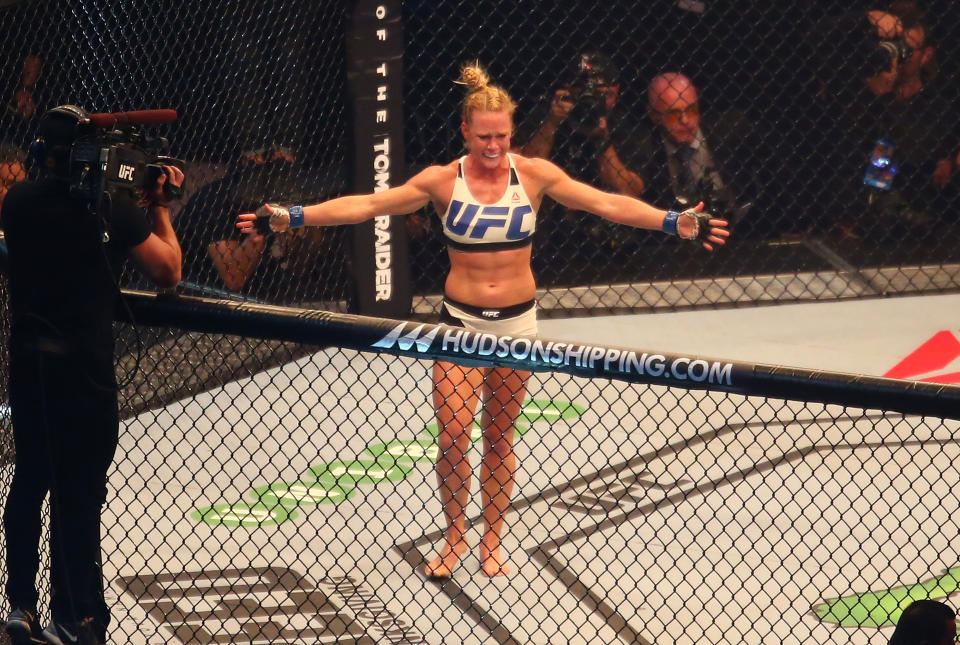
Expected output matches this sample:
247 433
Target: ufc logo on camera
125 172
514 219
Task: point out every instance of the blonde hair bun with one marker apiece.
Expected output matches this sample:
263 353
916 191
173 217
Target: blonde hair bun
474 77
482 95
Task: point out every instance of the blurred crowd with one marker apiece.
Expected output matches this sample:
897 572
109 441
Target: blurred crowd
863 143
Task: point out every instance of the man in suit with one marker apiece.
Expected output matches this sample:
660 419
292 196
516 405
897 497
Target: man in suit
684 159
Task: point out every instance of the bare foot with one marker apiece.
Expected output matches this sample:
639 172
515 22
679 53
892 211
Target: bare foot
492 563
442 566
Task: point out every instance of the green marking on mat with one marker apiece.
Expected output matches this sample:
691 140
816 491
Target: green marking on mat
301 493
550 410
415 450
883 608
336 481
364 471
243 514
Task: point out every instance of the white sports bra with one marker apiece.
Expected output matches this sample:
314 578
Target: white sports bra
472 226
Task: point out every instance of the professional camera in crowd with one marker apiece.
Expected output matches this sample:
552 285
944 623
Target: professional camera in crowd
852 49
589 75
888 50
105 155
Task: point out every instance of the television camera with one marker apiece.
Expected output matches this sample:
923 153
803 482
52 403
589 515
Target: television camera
107 154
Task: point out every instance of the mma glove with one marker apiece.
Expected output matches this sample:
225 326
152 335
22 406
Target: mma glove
279 220
700 221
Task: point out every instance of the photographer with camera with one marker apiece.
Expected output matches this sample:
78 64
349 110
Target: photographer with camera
885 149
68 232
575 134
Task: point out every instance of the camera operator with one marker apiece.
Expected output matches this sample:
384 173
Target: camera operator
65 255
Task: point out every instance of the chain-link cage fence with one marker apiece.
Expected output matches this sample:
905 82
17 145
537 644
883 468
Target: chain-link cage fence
258 91
776 117
654 497
268 490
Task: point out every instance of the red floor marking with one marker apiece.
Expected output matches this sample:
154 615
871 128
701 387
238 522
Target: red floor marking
949 377
936 353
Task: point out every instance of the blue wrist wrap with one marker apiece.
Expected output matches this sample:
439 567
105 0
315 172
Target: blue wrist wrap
669 222
296 217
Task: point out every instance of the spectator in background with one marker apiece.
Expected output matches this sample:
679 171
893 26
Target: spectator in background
918 71
877 86
680 160
684 158
217 255
11 169
926 622
947 170
920 67
576 131
23 99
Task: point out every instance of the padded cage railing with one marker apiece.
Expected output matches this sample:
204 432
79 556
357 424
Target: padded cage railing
259 83
659 497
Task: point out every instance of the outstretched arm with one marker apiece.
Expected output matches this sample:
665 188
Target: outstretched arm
352 209
622 209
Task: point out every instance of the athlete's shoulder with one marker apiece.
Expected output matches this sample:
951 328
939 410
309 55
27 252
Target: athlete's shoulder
436 181
535 168
532 164
439 172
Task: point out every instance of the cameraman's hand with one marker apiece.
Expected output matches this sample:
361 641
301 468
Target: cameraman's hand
602 131
541 143
155 196
560 107
25 104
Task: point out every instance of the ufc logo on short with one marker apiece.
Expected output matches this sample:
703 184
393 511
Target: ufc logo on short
125 172
460 219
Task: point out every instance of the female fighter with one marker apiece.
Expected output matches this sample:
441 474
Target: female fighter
487 201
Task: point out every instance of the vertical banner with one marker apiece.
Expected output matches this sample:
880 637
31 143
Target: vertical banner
375 74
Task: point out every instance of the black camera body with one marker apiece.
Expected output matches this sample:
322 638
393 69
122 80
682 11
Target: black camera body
883 54
849 48
119 161
584 80
718 200
589 104
103 155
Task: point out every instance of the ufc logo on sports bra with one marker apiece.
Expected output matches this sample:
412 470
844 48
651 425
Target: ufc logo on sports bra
486 218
